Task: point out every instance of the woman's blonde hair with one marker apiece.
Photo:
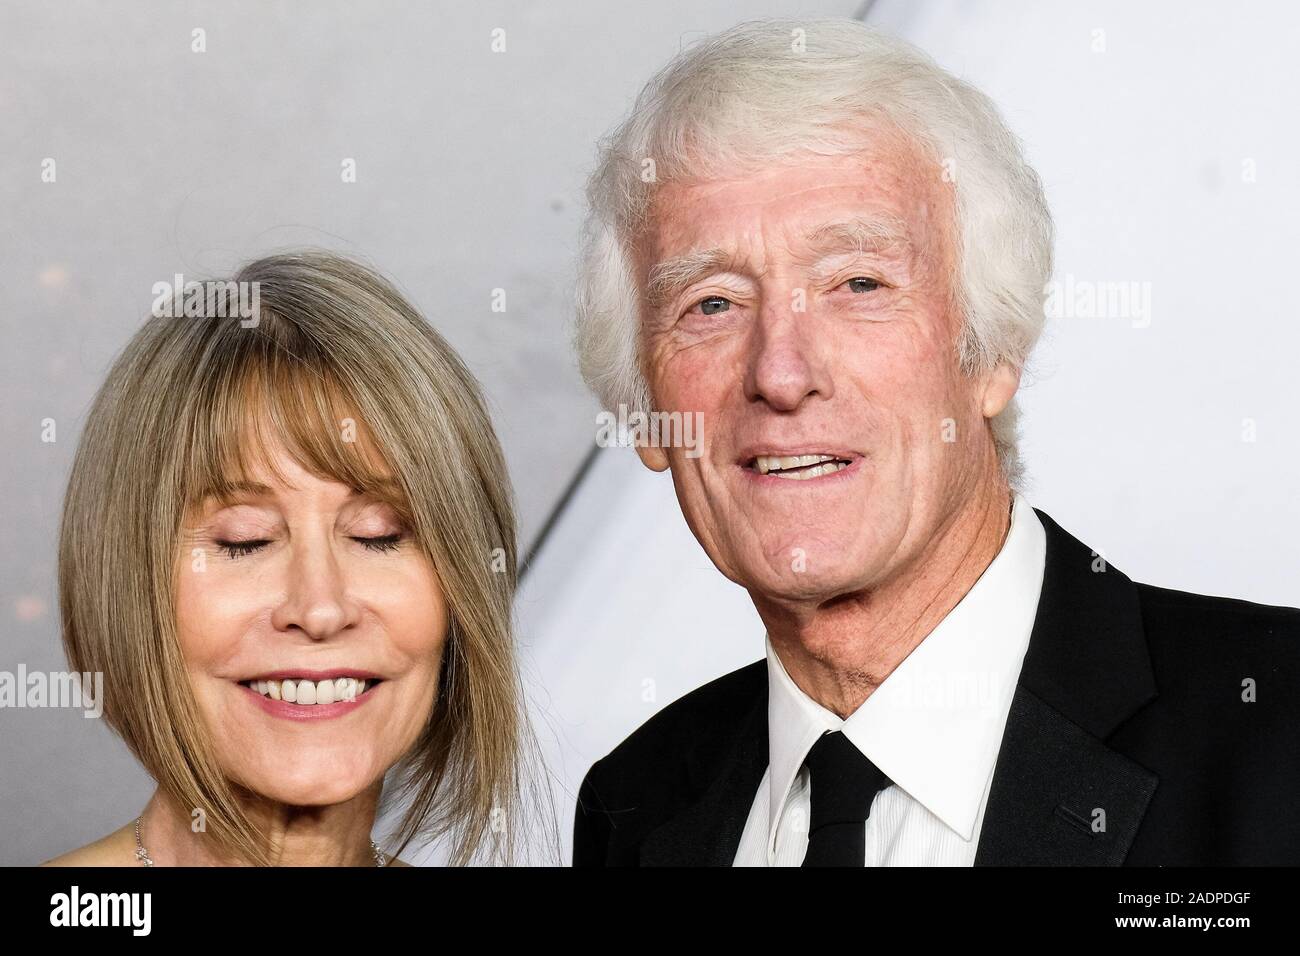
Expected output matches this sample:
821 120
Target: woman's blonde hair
339 368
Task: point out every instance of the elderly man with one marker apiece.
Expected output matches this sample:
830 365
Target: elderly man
834 252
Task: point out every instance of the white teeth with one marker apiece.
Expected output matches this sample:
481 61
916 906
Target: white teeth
311 692
825 465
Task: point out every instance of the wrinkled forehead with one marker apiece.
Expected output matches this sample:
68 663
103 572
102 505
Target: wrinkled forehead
890 193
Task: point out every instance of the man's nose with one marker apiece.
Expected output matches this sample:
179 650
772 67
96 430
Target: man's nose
787 360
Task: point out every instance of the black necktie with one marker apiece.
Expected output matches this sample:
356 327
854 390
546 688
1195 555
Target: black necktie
844 782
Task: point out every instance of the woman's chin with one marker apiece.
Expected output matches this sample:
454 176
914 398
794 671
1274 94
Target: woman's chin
323 790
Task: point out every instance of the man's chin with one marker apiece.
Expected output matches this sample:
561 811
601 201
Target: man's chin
802 587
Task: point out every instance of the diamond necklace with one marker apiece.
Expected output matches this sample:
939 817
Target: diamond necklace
142 854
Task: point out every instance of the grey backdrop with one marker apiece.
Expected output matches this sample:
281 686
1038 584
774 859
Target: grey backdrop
470 164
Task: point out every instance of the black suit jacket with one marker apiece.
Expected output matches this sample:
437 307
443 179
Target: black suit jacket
1130 700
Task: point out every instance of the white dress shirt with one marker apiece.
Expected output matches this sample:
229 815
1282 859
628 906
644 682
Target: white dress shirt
933 726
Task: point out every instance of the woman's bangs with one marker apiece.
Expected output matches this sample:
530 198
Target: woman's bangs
257 410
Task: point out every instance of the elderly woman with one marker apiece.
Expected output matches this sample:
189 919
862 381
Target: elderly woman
288 544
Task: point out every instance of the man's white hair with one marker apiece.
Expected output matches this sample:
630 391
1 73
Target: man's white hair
766 90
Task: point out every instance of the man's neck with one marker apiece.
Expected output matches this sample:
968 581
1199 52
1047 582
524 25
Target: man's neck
839 651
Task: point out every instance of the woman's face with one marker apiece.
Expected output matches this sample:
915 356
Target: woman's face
289 598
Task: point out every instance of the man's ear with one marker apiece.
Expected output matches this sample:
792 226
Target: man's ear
653 457
999 387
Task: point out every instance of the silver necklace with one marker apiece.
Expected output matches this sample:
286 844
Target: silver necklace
142 854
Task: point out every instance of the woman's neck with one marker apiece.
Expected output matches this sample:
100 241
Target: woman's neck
335 835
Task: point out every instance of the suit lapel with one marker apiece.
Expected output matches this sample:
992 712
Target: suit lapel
1060 795
707 833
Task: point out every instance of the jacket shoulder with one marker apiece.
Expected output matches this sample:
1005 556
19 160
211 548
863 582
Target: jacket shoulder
1212 655
1167 612
1220 734
660 767
1200 644
689 722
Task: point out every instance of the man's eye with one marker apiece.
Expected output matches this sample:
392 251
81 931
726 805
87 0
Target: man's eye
862 284
714 304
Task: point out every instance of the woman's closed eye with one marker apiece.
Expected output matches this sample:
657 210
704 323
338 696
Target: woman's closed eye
237 549
385 542
379 543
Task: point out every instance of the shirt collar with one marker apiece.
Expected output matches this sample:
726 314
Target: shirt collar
934 726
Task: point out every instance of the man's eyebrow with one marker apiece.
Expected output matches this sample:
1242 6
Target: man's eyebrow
860 234
668 278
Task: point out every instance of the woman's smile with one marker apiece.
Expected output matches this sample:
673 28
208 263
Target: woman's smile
311 695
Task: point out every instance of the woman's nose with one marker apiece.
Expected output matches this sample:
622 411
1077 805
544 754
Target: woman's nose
316 595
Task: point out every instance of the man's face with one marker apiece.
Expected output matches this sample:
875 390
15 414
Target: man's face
808 310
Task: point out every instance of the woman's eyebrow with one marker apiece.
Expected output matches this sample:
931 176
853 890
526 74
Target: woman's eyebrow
231 493
228 494
382 489
251 488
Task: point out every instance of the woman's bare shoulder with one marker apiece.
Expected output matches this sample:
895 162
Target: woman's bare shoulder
116 849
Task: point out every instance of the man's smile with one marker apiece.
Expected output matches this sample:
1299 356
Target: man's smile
797 464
